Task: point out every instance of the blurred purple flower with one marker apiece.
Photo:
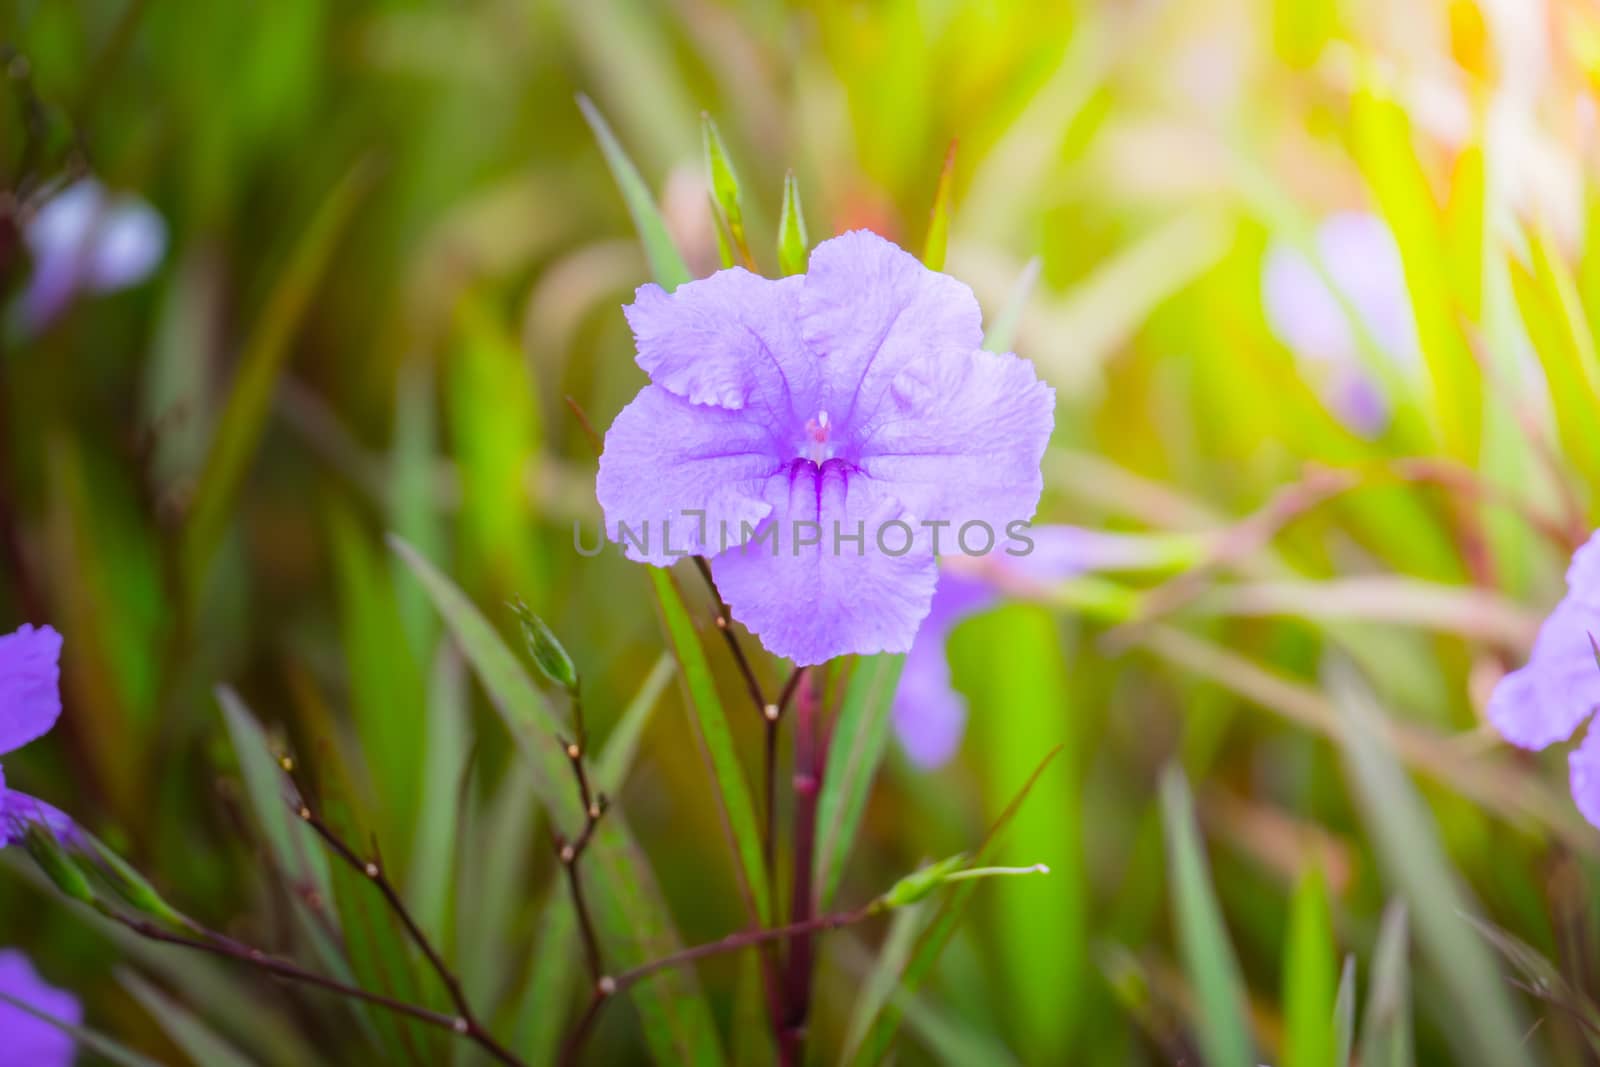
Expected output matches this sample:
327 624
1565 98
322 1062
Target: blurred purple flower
930 717
25 1038
1362 259
30 703
852 399
85 239
1558 689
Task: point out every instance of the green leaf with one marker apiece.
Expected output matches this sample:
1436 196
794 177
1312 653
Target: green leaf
545 649
622 745
627 901
1386 1025
793 245
710 721
904 929
448 739
1344 1013
197 1040
1308 975
1002 332
1413 860
666 263
1208 958
931 944
938 240
267 350
860 738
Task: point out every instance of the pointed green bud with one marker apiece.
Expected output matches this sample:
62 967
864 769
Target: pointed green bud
53 859
547 652
793 246
724 182
724 239
918 884
129 884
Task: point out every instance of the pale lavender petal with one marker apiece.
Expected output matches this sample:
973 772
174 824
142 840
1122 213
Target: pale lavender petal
1362 256
18 811
1356 397
814 602
959 439
869 310
664 457
127 244
30 685
1583 765
929 715
27 1039
731 340
1057 552
1546 700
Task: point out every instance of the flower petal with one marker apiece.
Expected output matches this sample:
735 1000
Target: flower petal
929 715
28 1039
18 811
731 340
1546 700
960 439
665 457
869 309
30 685
810 602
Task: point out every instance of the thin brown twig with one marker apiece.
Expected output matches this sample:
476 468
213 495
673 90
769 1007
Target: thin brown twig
724 622
373 870
809 758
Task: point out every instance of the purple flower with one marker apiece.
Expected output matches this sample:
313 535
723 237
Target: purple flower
85 239
814 435
25 1038
30 703
1362 259
1559 689
929 715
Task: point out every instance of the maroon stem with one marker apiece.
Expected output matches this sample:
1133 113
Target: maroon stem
808 758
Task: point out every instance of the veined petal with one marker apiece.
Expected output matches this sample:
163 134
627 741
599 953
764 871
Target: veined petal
28 1039
665 458
959 439
810 602
30 685
868 310
732 340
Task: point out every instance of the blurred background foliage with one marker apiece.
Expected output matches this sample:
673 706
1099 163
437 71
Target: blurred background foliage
394 250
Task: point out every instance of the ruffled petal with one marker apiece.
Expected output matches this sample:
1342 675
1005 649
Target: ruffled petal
30 685
868 310
812 602
731 340
28 1039
665 458
959 439
1546 700
1583 764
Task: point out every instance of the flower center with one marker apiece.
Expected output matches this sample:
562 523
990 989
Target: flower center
817 447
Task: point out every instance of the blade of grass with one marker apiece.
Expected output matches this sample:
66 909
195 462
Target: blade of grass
1344 1013
793 244
860 739
448 740
197 1040
1386 1027
626 897
1309 975
666 263
1208 958
1412 858
938 240
244 417
931 945
710 720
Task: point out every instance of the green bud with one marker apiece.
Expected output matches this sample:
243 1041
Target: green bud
918 884
719 171
130 885
793 246
547 652
53 859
